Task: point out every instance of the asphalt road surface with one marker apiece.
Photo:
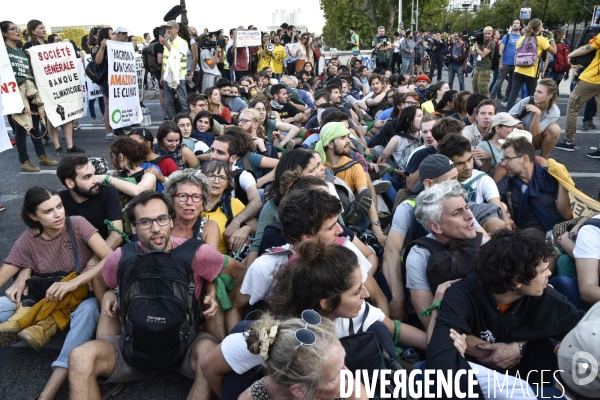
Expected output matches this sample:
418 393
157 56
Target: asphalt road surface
24 371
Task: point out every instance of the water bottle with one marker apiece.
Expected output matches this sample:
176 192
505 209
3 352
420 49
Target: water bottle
147 120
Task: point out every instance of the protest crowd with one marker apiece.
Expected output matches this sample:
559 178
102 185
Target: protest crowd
291 218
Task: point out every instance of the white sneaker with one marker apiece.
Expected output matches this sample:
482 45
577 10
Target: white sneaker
381 186
110 136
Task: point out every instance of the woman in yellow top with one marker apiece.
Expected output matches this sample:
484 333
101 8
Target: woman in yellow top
278 56
265 56
528 75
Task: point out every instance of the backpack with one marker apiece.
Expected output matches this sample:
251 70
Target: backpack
94 71
451 260
527 54
496 57
561 61
525 112
230 56
158 308
592 222
149 57
586 36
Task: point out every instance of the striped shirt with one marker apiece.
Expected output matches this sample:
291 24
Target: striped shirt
45 256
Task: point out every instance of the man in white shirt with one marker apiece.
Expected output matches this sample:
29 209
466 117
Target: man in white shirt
484 113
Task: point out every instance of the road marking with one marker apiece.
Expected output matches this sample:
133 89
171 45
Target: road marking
585 174
43 171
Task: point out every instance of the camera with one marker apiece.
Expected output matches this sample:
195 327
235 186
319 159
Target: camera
207 43
270 46
476 36
384 40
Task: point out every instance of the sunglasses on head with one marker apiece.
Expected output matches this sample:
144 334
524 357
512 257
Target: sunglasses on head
304 336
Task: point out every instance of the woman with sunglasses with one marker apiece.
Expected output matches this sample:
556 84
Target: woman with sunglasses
302 358
46 247
302 51
21 69
222 208
320 277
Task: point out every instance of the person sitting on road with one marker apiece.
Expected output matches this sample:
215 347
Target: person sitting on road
484 112
165 164
105 357
169 143
502 126
47 248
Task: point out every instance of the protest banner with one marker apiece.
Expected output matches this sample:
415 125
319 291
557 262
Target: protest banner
56 75
139 63
123 97
12 102
247 38
4 140
93 91
581 204
82 82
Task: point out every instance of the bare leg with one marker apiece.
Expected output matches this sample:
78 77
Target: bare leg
107 326
53 133
57 379
68 130
547 140
86 363
200 390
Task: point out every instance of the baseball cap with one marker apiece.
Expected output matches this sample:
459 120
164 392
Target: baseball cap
121 29
517 133
431 167
504 118
172 23
579 353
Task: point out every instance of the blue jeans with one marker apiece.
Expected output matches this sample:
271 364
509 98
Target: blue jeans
407 65
590 110
456 69
568 287
91 106
83 326
494 78
392 192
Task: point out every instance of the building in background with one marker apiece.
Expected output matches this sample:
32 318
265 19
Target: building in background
296 18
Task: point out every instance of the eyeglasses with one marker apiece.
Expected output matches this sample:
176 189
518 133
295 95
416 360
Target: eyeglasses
14 28
201 105
215 177
412 103
243 121
304 336
146 223
57 40
507 159
183 197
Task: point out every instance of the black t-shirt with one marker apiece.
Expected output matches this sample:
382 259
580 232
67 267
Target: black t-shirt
285 38
30 44
105 205
417 158
287 111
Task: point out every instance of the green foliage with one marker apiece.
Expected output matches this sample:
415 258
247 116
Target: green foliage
74 34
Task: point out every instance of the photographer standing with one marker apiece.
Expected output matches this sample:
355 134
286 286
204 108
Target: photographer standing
528 75
484 52
381 45
208 62
437 53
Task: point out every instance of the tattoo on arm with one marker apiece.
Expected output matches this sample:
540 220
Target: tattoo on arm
588 47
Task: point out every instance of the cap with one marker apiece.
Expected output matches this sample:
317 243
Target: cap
516 133
172 23
423 77
504 118
335 57
121 29
579 353
433 166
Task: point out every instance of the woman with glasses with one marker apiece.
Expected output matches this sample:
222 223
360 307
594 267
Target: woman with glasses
168 143
222 208
250 121
20 122
502 125
130 179
165 163
326 279
271 125
47 247
302 51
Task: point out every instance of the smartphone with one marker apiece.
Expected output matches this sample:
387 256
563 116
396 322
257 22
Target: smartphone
161 32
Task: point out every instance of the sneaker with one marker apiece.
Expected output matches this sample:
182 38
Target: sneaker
28 166
359 207
45 160
59 151
592 126
381 186
565 146
586 126
108 390
13 141
504 104
110 136
595 154
2 207
76 127
75 149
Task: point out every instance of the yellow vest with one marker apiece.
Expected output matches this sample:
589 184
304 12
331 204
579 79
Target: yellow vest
176 44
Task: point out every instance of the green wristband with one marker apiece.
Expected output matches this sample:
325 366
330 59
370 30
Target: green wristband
397 326
106 179
391 170
427 313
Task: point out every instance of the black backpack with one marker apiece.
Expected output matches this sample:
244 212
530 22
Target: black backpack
158 309
451 260
95 72
149 57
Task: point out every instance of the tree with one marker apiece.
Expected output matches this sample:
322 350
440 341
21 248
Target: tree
74 34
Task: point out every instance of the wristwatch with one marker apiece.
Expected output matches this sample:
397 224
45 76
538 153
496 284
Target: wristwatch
522 347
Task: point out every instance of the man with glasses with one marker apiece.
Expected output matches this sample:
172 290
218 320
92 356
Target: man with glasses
533 197
173 43
508 47
150 214
484 53
482 193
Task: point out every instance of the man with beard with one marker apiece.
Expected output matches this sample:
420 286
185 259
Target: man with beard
534 198
287 111
421 88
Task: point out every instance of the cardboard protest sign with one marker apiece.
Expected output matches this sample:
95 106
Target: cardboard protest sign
4 140
11 98
93 91
56 75
247 38
139 63
123 94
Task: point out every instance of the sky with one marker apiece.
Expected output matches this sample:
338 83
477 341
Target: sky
141 16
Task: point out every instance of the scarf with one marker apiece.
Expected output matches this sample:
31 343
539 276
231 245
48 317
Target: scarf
422 93
329 132
541 181
275 105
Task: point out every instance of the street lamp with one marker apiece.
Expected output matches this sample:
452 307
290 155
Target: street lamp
466 6
184 19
